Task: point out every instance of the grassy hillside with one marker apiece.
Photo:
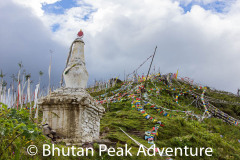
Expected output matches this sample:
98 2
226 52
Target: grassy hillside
179 130
158 100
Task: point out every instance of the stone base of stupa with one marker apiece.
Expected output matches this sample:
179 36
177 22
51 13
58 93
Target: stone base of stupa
73 114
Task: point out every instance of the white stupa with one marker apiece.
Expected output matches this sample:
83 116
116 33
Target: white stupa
70 110
75 73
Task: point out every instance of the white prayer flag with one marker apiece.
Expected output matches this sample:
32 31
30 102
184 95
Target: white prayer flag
9 99
36 100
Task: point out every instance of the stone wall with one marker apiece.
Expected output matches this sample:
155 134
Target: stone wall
75 116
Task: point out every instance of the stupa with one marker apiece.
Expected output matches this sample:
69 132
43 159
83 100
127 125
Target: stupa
70 110
75 73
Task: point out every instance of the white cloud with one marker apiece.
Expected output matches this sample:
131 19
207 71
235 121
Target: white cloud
35 5
186 2
25 38
203 45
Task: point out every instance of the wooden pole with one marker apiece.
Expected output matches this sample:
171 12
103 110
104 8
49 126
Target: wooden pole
150 65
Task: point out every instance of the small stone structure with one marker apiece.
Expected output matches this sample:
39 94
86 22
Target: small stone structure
70 110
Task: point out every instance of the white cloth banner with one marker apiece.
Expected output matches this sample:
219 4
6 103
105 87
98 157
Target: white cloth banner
9 98
19 94
23 94
29 91
36 100
36 96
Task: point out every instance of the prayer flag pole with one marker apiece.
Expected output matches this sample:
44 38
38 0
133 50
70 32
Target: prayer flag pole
49 73
150 66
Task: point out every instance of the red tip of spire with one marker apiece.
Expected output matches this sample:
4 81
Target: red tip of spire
80 34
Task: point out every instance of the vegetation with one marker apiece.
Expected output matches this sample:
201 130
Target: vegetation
177 131
18 132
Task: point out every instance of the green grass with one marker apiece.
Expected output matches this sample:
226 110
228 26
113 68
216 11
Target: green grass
178 130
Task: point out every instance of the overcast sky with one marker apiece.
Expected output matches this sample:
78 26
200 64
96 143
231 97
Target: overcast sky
200 38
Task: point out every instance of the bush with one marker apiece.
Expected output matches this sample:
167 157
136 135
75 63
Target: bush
17 132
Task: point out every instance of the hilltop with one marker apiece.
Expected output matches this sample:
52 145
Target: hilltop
165 111
179 107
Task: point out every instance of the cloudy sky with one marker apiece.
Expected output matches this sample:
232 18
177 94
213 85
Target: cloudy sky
200 38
